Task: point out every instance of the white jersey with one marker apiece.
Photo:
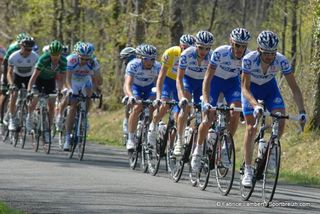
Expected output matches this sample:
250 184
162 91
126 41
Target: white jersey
23 66
84 72
142 77
251 64
188 62
227 66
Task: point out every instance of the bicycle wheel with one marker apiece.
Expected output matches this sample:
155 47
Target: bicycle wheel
204 173
271 171
144 151
225 163
46 131
153 157
194 176
74 139
22 126
82 137
35 139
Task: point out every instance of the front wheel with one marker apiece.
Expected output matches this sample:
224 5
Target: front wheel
225 163
46 135
82 137
271 171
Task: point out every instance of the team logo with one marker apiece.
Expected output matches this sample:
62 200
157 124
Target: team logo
277 100
284 65
236 94
216 56
246 63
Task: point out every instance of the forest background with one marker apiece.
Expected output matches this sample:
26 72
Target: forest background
114 24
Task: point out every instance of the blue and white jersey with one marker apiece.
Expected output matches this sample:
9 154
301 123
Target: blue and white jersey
81 73
188 62
141 76
251 64
227 66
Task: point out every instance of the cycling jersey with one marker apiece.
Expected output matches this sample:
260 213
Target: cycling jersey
188 62
23 66
11 49
142 77
251 64
226 65
79 72
47 70
170 60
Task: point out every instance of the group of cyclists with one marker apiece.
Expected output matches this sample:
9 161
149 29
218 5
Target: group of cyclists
55 71
193 72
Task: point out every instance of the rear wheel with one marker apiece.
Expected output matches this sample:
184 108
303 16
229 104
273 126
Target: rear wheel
204 173
271 172
225 163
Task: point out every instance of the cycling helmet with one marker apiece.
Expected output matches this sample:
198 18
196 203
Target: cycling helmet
27 42
91 46
45 49
187 39
147 51
85 50
204 38
35 48
76 46
127 52
55 47
240 35
65 49
20 36
268 41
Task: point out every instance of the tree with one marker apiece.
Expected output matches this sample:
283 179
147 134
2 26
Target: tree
176 29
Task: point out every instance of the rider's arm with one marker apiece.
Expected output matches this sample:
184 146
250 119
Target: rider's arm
33 79
68 80
207 83
245 87
179 83
128 84
297 95
160 80
10 74
61 81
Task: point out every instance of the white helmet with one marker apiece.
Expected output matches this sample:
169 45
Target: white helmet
204 38
268 41
145 50
187 39
127 52
240 35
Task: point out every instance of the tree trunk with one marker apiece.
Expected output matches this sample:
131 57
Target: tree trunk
315 120
294 30
139 23
244 15
284 29
213 15
76 21
176 29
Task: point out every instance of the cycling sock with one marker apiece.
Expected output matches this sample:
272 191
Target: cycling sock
131 136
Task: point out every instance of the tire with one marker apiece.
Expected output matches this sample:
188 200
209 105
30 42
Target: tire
82 137
144 150
47 129
225 171
204 174
194 176
154 158
23 129
74 139
270 177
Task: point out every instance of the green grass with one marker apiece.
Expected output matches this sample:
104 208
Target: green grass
7 210
299 159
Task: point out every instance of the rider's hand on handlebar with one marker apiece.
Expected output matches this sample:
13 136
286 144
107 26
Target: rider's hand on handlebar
258 110
183 102
156 103
125 100
131 100
206 107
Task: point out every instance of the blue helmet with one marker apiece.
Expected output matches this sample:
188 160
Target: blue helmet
240 35
91 46
146 51
85 50
204 38
268 41
187 39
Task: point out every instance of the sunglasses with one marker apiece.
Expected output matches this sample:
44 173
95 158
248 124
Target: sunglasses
239 46
148 59
268 53
28 49
202 48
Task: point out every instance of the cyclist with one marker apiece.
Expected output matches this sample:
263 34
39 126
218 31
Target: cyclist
49 65
166 83
193 64
81 67
21 66
141 75
258 82
126 55
222 76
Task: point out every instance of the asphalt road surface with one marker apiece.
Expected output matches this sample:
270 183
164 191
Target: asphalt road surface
103 183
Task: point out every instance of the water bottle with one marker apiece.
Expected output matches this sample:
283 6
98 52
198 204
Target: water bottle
262 148
212 135
139 127
162 129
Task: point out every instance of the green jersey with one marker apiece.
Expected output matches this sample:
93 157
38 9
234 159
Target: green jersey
49 71
12 48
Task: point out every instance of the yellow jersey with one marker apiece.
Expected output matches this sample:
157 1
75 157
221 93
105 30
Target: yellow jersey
170 60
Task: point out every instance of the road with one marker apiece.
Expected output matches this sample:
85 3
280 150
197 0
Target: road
103 183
